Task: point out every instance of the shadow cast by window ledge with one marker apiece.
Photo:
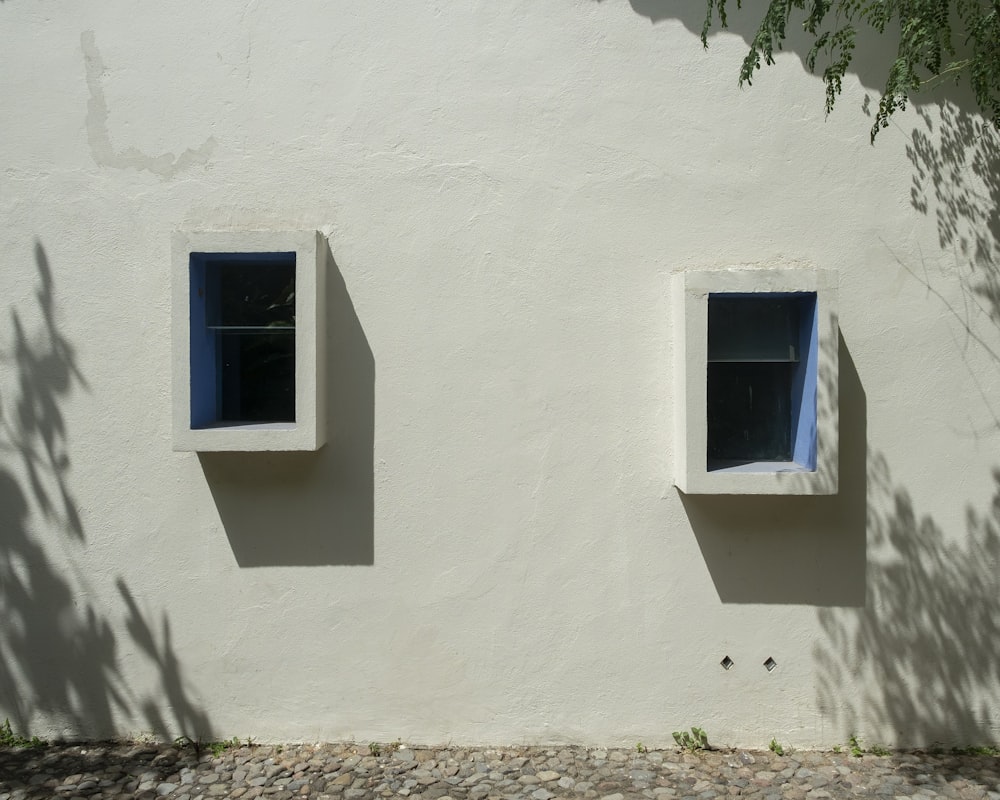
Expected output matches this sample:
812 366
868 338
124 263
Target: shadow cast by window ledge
310 508
791 549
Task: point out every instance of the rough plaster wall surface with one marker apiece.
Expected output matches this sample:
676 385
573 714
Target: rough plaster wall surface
489 548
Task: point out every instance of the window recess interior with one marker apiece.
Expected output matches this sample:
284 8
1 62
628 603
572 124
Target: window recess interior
761 390
242 339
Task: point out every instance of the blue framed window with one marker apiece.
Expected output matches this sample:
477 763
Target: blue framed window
242 359
762 377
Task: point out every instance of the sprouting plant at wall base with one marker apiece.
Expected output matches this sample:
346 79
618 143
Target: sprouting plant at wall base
982 750
875 750
776 748
10 739
218 748
641 748
375 748
215 748
696 740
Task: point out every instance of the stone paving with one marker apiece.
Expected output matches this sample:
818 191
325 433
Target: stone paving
361 772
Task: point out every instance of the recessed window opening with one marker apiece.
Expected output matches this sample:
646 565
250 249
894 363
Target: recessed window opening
242 338
761 394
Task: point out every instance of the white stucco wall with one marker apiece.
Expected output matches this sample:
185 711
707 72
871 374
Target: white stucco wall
489 548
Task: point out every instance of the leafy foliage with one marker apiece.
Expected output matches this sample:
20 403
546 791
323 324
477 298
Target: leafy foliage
854 743
216 748
938 40
10 739
696 740
977 750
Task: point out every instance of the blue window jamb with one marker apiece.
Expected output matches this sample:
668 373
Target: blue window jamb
804 381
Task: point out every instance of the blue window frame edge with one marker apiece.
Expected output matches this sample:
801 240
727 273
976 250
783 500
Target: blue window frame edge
205 389
805 377
804 387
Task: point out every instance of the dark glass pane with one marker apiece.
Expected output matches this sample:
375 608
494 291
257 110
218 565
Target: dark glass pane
256 376
749 414
252 293
753 328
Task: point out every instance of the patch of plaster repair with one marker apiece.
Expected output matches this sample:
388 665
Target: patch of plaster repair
165 165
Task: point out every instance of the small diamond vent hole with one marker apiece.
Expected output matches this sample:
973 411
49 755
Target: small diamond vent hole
770 664
727 663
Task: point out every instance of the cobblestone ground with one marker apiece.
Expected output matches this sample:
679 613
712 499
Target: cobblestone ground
353 772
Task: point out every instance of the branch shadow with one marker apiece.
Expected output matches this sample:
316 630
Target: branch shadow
956 180
40 774
59 658
926 645
329 493
807 550
956 163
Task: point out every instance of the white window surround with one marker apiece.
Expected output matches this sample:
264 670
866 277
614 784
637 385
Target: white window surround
813 468
308 430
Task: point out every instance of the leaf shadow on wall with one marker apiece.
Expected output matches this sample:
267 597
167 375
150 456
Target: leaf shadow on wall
310 508
59 651
804 550
920 663
956 181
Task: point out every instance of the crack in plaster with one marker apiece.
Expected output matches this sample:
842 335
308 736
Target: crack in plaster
165 165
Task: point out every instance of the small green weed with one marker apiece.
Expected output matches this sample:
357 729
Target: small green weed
776 748
640 748
696 740
218 748
199 745
10 739
836 748
875 750
982 750
375 748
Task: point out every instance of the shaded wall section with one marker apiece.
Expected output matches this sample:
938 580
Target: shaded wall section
310 508
60 654
920 663
794 550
